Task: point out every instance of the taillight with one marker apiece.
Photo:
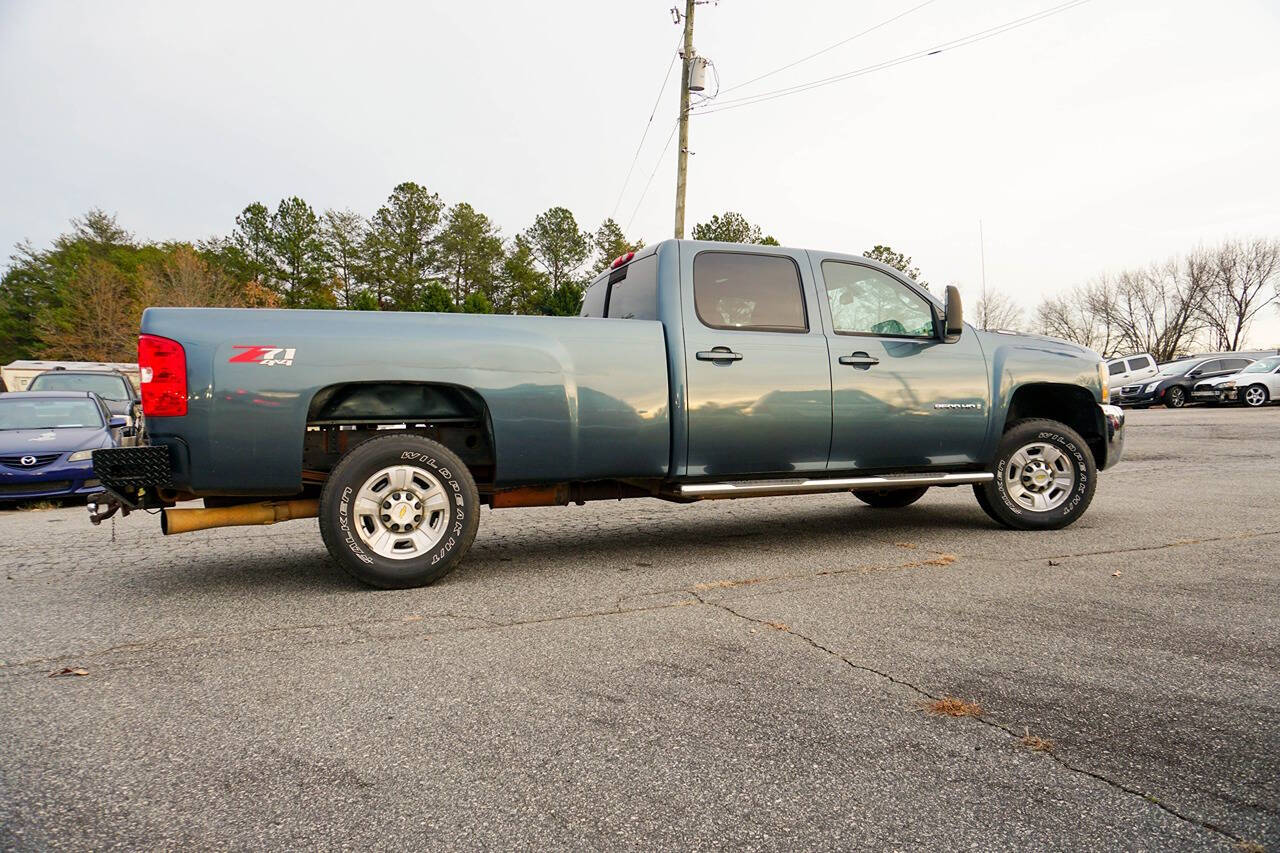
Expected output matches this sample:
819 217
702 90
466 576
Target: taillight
162 364
621 259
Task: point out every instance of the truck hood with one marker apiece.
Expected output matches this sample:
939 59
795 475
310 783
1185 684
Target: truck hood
1057 345
35 441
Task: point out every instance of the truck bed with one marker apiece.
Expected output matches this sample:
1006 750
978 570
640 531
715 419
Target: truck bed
253 375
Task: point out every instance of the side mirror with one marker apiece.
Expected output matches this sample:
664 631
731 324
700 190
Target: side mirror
953 319
118 421
1193 374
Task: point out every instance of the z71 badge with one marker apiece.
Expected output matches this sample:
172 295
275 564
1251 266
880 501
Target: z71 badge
268 356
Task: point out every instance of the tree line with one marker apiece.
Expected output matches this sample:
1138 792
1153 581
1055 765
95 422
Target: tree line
1206 299
82 297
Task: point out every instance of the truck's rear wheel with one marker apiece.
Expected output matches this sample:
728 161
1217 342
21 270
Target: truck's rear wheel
1044 477
399 511
890 498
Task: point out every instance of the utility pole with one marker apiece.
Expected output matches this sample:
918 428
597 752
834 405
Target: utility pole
682 154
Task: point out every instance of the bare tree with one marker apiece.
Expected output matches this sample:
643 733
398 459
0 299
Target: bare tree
100 323
1245 279
997 310
1158 309
1083 316
186 280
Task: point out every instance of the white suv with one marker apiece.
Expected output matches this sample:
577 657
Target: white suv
1130 368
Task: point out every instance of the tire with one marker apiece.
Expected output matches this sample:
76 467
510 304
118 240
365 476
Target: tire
1255 396
425 485
1175 397
1028 450
891 498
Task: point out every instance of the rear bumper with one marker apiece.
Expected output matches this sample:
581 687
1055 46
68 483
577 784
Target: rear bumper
1113 423
134 474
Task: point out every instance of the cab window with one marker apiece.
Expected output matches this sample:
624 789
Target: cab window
865 301
593 299
633 290
736 290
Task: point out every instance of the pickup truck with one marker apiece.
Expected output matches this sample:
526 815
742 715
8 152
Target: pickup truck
696 371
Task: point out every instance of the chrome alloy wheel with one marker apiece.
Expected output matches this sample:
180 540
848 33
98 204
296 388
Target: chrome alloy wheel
401 512
1255 395
1039 477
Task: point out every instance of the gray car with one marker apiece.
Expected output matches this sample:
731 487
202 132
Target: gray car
115 389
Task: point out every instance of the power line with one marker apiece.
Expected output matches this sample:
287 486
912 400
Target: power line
635 157
883 23
674 126
963 41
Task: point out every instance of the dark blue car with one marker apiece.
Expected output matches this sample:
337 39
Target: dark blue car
47 439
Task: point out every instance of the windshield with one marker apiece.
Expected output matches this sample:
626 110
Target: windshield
48 414
105 385
1177 368
1265 365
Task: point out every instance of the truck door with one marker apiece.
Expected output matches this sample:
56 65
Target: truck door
901 397
758 381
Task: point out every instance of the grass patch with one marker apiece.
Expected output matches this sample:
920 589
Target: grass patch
36 506
954 706
1034 742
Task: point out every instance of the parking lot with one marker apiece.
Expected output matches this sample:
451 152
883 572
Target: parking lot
749 674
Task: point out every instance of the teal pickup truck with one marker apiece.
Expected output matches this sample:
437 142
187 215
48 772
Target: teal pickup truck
697 371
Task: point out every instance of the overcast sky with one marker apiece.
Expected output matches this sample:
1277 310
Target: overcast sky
1113 134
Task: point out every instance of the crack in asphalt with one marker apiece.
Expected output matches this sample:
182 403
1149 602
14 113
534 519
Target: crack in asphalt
11 667
1180 543
982 718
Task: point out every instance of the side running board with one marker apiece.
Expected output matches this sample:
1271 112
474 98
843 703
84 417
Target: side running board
764 488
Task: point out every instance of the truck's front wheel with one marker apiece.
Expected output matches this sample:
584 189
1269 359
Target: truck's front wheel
399 511
1044 477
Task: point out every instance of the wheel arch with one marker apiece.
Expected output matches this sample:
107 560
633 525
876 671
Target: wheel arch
1067 404
346 413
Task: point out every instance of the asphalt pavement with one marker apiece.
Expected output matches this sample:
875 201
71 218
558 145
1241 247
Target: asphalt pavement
750 674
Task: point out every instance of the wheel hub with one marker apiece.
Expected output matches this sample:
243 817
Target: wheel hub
402 511
1039 477
1036 476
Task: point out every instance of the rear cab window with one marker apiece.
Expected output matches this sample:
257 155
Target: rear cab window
749 292
633 290
593 299
629 292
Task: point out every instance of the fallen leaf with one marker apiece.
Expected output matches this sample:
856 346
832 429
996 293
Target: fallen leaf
68 671
1055 562
1116 573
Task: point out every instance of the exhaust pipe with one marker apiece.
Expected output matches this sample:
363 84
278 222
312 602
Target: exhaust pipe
267 512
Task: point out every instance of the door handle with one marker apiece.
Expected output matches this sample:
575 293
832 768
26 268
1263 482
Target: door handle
719 354
860 360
